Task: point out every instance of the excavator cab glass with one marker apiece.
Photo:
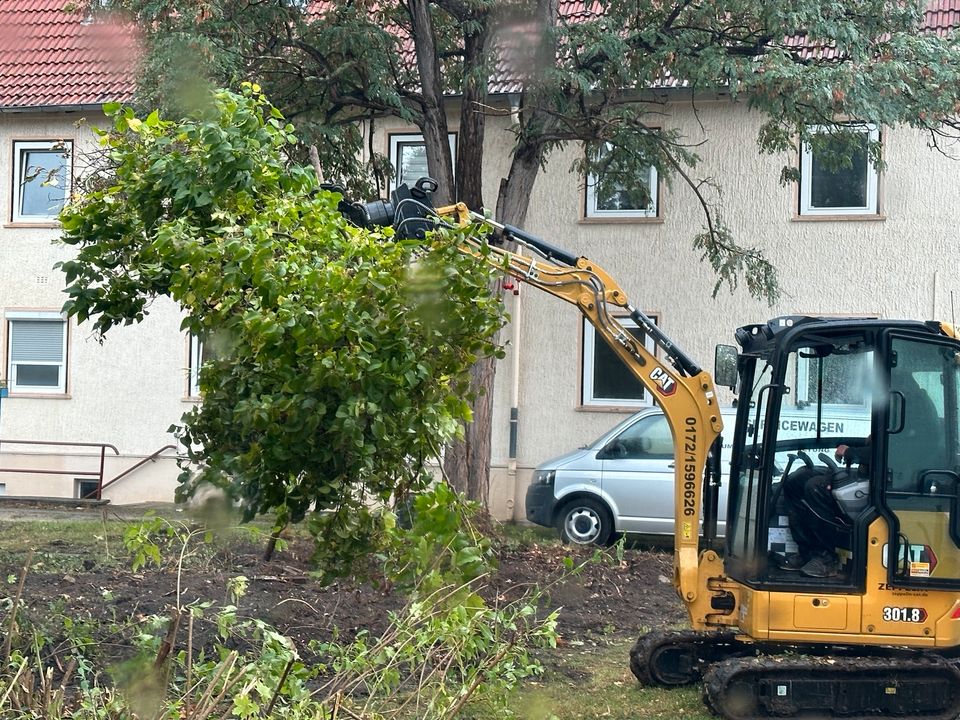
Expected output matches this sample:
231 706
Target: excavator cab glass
922 457
797 502
841 422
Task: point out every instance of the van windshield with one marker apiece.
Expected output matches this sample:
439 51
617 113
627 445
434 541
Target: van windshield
615 431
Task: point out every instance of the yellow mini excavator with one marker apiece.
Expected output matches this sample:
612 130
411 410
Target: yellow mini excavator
873 630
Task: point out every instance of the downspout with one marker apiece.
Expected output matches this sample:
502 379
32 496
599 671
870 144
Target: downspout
517 321
515 381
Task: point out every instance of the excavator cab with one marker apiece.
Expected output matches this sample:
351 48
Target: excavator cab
841 422
843 530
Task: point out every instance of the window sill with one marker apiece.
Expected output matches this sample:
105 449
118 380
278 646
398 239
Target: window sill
39 396
839 218
194 399
48 225
621 220
612 408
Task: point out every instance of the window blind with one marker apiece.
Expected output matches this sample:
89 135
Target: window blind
36 340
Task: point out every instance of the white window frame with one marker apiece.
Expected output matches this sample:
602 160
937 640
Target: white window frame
872 206
412 139
590 340
78 484
194 360
12 385
652 211
19 146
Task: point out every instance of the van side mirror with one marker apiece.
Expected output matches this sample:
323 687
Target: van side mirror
725 366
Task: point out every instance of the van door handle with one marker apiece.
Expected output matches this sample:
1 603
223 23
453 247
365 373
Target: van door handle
672 465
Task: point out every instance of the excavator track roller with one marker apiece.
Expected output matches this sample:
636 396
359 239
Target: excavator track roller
833 687
670 658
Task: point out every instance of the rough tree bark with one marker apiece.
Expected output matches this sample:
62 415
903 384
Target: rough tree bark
434 126
469 174
467 463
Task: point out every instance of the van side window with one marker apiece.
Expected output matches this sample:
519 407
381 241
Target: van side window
648 439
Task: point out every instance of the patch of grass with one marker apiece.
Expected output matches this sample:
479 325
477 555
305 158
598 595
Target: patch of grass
74 545
594 681
517 536
62 545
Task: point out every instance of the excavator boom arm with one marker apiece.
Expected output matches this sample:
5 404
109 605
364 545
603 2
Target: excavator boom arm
683 390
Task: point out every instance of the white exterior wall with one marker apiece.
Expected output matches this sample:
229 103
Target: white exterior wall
894 267
125 392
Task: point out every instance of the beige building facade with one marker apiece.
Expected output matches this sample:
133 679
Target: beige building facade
889 258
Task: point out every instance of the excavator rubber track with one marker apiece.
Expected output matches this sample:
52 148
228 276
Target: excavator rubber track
679 657
851 688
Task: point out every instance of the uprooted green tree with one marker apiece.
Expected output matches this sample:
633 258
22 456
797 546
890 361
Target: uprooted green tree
340 357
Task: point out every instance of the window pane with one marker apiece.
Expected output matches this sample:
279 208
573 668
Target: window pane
844 379
923 437
846 187
200 353
649 438
611 378
37 375
36 341
42 182
619 196
411 163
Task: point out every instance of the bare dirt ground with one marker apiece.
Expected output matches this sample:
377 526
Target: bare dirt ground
612 599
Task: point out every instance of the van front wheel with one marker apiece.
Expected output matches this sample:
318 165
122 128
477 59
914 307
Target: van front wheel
584 521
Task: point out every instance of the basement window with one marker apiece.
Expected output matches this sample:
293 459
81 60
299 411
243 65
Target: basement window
86 489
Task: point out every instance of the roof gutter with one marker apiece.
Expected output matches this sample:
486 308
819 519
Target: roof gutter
88 107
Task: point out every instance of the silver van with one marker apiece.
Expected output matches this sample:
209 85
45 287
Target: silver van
620 483
623 481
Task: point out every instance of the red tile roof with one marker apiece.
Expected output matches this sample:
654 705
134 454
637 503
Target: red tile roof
515 42
942 16
52 56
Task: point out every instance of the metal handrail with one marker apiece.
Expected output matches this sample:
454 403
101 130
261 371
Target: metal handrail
64 444
84 473
101 485
153 456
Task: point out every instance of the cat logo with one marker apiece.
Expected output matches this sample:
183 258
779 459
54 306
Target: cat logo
666 385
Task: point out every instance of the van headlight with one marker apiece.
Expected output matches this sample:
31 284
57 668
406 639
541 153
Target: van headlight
544 477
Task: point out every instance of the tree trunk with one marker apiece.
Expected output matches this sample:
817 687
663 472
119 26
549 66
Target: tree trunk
467 462
434 128
469 175
513 199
